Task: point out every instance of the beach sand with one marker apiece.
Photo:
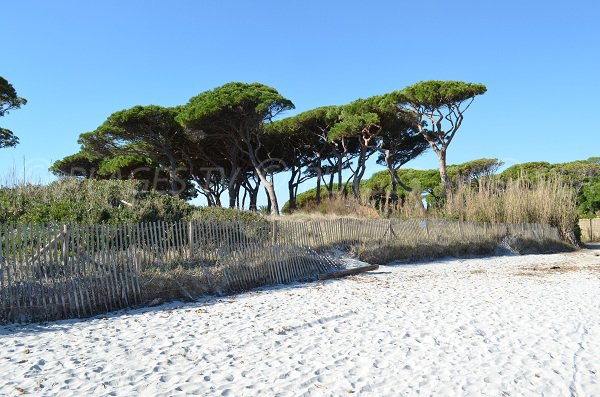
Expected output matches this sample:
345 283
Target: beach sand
497 326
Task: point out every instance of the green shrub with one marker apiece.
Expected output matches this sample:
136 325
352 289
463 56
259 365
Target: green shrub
225 214
70 200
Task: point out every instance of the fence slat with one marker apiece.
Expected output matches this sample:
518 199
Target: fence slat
5 289
74 271
42 276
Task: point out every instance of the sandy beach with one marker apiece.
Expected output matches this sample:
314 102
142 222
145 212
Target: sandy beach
498 326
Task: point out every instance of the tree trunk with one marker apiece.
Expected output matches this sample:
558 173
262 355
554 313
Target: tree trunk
231 190
173 176
217 199
269 202
443 173
271 195
262 175
340 166
360 171
318 192
242 204
419 202
330 186
393 198
292 189
319 176
253 199
292 199
396 180
233 187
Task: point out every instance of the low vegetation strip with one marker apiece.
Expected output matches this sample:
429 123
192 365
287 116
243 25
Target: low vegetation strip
50 272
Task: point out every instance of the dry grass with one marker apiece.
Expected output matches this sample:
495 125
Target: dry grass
335 207
174 284
388 253
491 200
550 202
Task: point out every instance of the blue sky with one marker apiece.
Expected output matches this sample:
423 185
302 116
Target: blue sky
77 62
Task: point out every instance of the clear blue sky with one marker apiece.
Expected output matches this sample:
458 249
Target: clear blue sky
76 62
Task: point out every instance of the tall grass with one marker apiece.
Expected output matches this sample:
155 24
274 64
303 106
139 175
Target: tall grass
544 201
490 200
331 207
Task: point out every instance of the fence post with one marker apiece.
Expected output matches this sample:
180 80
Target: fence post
191 236
591 231
65 244
274 232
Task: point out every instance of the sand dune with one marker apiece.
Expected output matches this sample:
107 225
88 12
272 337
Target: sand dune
513 326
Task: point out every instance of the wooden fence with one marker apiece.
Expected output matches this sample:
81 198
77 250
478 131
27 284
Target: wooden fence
49 272
590 229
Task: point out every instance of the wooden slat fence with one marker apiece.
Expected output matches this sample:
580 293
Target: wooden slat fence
49 272
590 229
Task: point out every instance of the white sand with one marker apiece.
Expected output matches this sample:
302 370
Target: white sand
452 327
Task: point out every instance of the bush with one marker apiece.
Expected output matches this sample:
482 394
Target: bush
225 214
589 199
337 206
70 200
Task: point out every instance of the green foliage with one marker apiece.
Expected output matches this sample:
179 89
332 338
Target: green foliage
235 101
576 171
422 180
124 166
8 97
90 201
229 122
531 170
589 199
225 214
148 131
133 167
473 170
434 94
308 197
7 138
9 100
143 143
584 175
69 200
78 164
355 117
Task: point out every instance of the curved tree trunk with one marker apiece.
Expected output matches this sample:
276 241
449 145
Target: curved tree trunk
443 173
340 168
292 188
268 185
396 179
